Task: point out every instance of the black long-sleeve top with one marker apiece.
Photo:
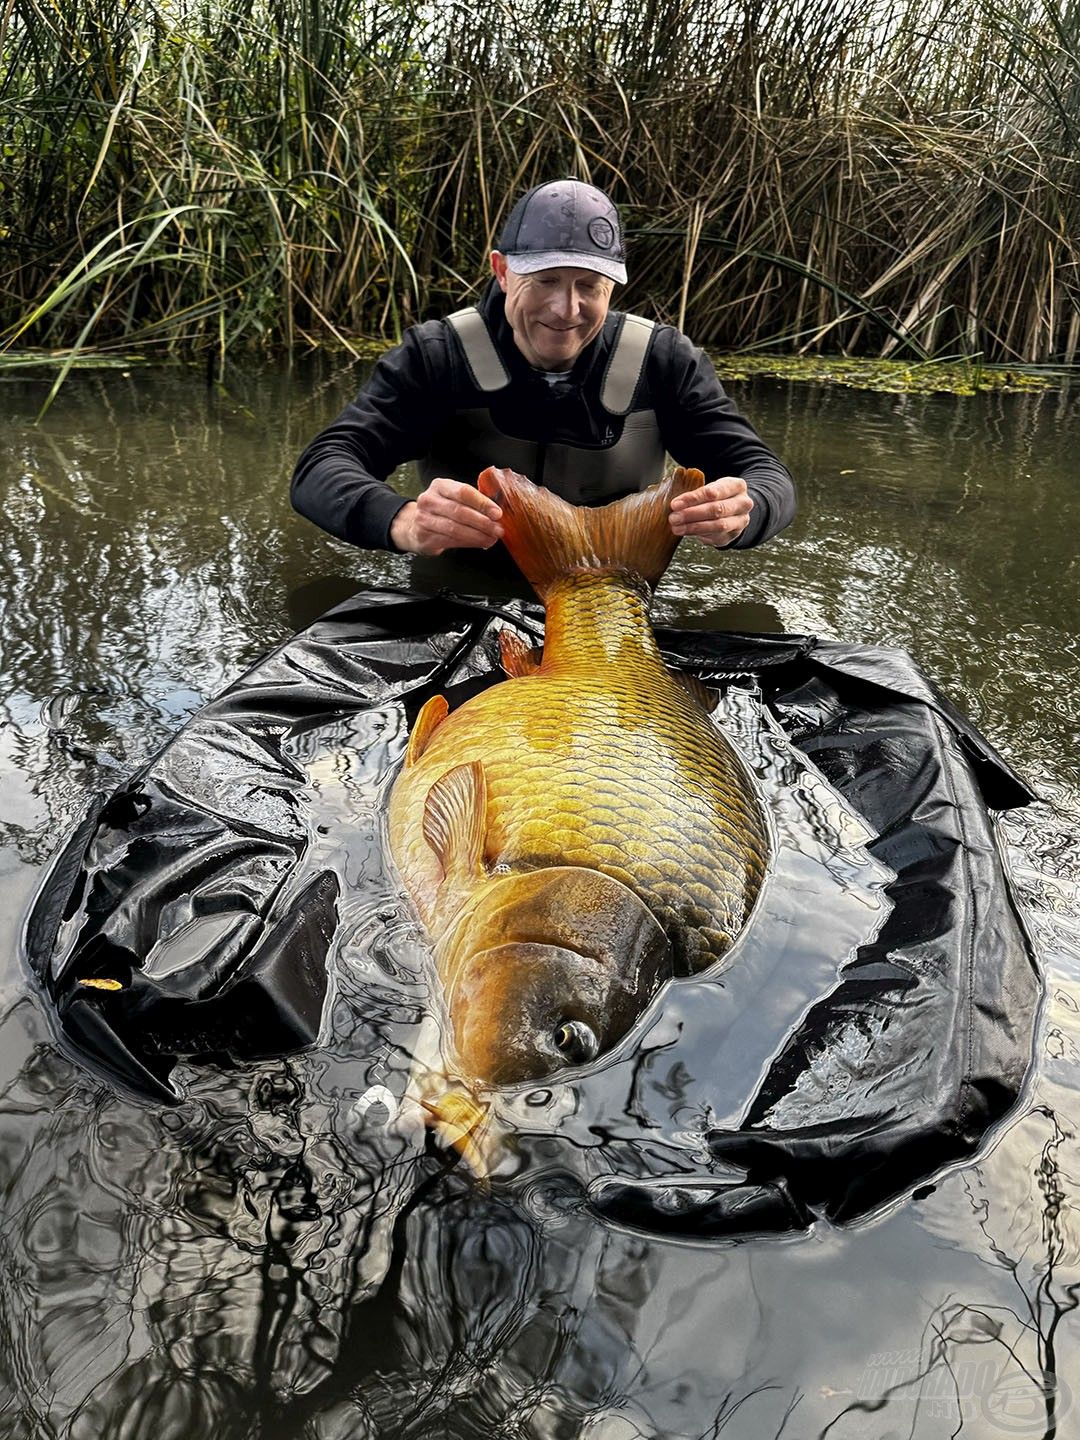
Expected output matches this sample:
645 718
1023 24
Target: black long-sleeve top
340 479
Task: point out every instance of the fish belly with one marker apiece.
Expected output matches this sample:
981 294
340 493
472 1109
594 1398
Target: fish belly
621 773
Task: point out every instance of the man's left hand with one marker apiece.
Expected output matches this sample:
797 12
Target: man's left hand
718 513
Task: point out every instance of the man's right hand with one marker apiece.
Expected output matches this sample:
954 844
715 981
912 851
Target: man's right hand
447 516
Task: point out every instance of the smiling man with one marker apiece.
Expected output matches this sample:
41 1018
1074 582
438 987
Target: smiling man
543 377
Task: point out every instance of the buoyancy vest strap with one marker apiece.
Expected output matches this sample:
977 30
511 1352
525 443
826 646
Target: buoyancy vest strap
624 369
626 364
484 362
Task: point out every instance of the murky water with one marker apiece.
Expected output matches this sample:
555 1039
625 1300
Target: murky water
227 1269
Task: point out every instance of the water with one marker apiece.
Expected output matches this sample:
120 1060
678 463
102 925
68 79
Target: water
270 1259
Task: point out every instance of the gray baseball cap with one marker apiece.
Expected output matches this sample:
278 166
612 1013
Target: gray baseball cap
564 222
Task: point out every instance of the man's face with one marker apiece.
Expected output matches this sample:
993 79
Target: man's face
553 313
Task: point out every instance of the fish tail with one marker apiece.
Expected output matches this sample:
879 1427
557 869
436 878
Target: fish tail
550 538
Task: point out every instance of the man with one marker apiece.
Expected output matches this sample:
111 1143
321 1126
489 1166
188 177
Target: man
545 378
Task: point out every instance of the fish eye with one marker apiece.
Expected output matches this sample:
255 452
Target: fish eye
576 1041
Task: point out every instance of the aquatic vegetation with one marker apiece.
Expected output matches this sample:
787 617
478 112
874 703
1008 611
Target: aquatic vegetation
953 377
900 182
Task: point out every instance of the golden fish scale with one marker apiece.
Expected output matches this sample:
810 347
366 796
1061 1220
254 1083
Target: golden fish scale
601 759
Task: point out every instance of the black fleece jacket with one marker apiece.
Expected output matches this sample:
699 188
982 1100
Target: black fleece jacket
340 479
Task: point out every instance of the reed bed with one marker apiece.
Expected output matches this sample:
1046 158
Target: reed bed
896 179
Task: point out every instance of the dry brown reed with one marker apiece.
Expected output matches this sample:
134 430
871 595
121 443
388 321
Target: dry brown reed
898 179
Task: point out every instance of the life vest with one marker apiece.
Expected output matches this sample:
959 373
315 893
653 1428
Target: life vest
584 475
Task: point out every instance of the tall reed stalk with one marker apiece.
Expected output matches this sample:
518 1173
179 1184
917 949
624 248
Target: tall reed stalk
900 178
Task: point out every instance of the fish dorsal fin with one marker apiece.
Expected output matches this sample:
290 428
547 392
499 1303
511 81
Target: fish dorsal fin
432 713
550 538
455 821
517 656
696 689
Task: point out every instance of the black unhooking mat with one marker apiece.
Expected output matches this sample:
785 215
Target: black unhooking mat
201 901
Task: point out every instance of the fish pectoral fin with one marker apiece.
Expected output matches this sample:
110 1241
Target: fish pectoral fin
696 689
432 713
455 820
518 658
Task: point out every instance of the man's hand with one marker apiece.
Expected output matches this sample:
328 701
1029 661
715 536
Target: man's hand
718 513
447 516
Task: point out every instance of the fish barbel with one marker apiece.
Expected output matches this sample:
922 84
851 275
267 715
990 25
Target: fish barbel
581 832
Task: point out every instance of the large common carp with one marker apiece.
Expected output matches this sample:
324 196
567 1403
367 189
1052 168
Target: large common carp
576 835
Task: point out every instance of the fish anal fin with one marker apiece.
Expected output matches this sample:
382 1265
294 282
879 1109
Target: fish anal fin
455 821
431 715
550 538
696 689
517 656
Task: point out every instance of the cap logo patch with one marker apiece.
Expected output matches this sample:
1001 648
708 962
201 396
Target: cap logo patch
601 233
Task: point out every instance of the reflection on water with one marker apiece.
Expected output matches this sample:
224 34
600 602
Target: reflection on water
229 1267
287 1254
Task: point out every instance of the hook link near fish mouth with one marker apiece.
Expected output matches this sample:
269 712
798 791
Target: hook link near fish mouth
457 1120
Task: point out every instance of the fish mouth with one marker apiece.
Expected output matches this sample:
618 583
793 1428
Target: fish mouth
550 970
525 1010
